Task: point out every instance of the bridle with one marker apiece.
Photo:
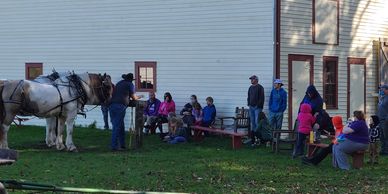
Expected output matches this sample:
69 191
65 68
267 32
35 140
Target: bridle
102 91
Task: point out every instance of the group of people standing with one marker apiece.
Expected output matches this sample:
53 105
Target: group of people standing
261 126
354 136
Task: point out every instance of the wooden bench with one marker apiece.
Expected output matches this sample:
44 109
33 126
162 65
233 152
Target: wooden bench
357 157
236 137
18 120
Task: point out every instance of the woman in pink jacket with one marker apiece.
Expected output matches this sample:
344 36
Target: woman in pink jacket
305 123
166 107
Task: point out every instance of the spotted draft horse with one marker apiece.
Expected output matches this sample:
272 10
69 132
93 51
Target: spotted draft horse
63 99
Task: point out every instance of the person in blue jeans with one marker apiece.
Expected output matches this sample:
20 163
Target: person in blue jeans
123 93
255 100
277 105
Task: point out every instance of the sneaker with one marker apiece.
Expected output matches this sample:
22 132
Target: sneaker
268 144
247 141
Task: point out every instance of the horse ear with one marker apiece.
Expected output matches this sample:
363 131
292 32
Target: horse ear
104 74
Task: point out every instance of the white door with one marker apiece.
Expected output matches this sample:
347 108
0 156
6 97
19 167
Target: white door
300 82
356 88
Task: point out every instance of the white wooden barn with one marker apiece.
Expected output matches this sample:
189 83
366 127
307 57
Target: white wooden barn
202 47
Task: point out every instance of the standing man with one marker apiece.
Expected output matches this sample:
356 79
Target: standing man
277 105
255 101
105 108
151 111
383 117
122 94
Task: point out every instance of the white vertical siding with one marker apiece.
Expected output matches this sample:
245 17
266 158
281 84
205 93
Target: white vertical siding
203 47
361 23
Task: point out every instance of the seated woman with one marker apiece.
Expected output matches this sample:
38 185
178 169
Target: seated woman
197 114
186 112
323 152
166 107
356 138
151 111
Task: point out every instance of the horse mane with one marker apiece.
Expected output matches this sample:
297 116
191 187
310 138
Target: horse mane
76 83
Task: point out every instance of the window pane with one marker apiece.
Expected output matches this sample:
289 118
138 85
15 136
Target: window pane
330 83
34 72
146 78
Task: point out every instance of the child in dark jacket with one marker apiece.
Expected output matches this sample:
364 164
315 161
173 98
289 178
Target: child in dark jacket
209 113
305 122
374 135
263 132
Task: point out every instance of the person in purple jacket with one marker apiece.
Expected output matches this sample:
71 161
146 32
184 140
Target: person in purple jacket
151 111
356 138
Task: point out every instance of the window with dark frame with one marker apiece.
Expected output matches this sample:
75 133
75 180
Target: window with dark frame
33 70
330 82
325 24
145 76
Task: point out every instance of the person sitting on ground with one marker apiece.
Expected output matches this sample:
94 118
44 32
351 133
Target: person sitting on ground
209 113
177 134
306 121
186 112
197 114
374 135
166 107
323 152
151 111
356 139
263 132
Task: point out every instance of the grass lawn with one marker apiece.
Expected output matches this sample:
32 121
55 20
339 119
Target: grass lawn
207 167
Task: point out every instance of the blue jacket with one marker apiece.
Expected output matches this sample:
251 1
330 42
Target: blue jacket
209 113
278 100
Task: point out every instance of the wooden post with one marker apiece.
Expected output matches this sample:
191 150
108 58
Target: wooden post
136 136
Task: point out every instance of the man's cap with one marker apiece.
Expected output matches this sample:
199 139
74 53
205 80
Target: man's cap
278 81
254 77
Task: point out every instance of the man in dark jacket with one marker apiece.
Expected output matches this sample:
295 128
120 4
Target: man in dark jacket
383 117
255 101
277 105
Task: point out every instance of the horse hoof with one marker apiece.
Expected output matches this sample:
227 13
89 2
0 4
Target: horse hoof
60 147
73 149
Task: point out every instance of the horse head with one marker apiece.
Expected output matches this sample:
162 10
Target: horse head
102 87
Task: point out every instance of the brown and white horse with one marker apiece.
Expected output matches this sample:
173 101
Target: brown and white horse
63 99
